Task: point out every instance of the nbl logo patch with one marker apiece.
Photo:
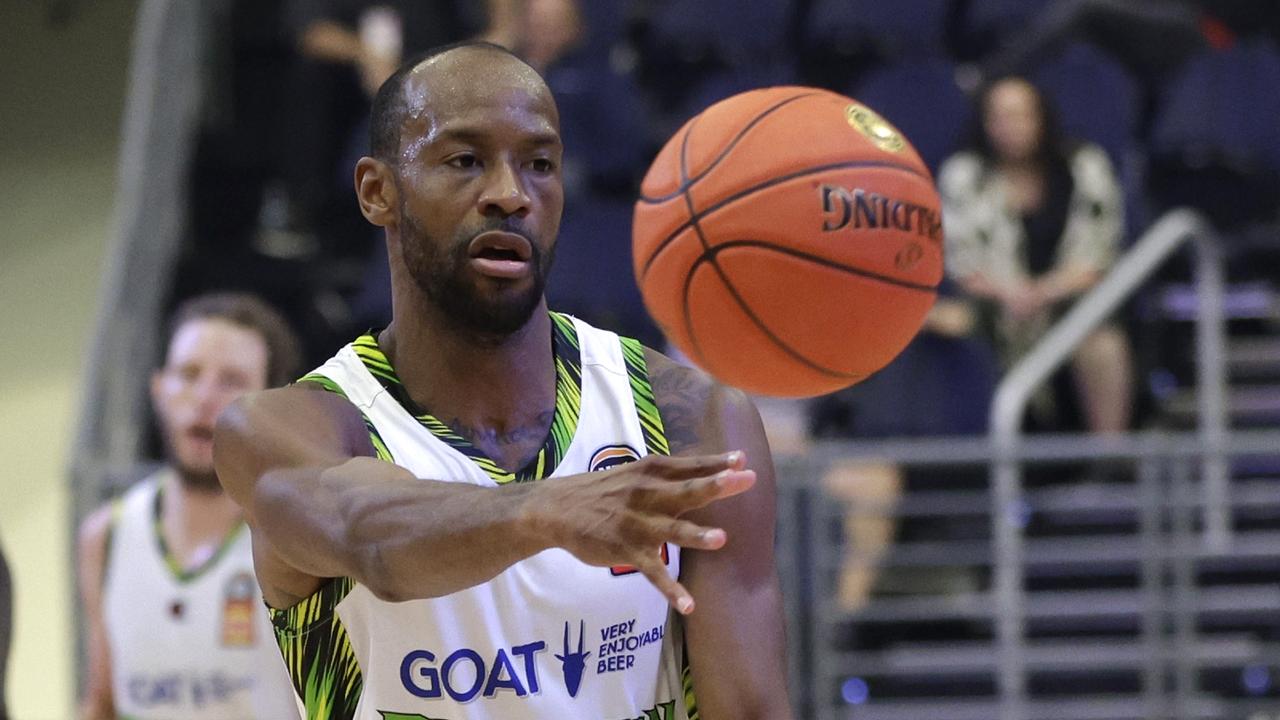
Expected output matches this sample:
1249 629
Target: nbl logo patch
611 456
238 602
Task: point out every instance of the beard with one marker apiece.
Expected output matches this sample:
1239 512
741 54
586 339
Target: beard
203 480
439 269
196 476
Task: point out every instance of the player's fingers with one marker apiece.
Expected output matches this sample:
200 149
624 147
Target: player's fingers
694 466
693 494
651 566
687 534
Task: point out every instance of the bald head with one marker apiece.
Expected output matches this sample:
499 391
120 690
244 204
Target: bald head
436 80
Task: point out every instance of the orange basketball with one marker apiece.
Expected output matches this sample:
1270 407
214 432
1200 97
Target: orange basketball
789 241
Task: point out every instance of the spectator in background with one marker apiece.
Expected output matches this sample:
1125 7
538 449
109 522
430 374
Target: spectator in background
375 36
346 48
1033 221
940 385
176 623
553 28
347 43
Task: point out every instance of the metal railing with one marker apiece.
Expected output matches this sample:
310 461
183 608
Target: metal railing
1158 458
1161 556
1148 254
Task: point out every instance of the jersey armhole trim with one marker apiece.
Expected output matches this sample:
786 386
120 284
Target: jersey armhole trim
314 609
655 439
317 652
329 385
114 514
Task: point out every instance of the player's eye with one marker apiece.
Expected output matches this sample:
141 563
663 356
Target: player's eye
464 161
542 165
188 373
233 381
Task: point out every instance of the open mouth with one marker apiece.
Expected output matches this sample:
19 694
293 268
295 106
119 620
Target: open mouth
202 433
500 254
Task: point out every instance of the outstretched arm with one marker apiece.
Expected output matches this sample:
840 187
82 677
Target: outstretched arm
736 639
300 463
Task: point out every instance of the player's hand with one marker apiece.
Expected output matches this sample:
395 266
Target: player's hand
622 516
1024 302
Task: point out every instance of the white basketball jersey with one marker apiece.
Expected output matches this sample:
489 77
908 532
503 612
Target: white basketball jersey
550 637
192 645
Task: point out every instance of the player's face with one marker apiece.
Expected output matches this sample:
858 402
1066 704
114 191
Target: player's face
481 190
1012 119
210 363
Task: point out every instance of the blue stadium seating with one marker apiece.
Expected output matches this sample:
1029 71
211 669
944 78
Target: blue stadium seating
1095 96
604 121
1215 140
1226 101
740 33
604 26
904 27
1003 16
592 277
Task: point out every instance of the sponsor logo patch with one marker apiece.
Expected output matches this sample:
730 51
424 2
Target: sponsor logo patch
611 456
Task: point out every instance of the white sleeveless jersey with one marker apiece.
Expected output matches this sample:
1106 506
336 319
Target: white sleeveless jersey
190 645
550 637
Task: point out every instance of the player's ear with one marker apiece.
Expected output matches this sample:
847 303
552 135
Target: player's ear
376 191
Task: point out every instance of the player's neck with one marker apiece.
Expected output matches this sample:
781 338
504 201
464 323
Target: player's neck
1020 166
493 384
195 521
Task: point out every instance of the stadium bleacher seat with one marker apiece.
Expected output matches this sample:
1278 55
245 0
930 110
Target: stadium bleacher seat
906 27
1095 96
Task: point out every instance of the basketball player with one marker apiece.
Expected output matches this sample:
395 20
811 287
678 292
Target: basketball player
174 615
426 525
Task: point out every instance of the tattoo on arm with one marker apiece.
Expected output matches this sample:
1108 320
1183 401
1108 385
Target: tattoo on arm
682 396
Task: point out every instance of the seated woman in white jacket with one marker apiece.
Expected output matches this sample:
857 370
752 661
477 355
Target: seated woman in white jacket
1033 221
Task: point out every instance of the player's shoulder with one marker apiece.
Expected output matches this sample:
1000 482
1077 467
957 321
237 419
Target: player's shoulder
301 402
279 425
668 375
95 528
1091 164
693 405
961 168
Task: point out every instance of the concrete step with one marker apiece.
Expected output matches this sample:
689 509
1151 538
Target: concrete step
1067 607
938 661
1087 499
1086 552
1254 359
1242 301
1091 707
1247 406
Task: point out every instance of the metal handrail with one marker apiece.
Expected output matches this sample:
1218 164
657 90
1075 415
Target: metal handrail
809 553
977 450
1165 237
